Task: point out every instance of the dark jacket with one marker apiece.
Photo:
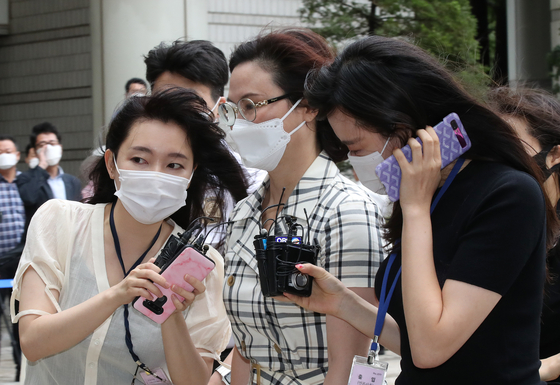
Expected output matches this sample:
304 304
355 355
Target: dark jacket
34 189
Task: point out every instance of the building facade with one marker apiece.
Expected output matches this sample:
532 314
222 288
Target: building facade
67 61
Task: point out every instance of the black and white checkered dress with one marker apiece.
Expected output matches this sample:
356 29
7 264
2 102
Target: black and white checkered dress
286 343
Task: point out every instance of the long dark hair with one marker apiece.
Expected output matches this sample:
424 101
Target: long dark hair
217 173
395 88
538 108
288 55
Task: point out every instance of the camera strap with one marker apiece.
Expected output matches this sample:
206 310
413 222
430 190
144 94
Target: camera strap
385 298
128 337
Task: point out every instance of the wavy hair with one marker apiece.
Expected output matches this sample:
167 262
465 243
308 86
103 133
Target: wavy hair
217 173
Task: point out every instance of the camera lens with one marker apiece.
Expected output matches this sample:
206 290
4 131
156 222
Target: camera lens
299 280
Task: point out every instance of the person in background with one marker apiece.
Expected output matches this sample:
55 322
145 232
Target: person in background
12 225
12 211
470 239
535 116
47 180
135 86
199 66
274 129
30 156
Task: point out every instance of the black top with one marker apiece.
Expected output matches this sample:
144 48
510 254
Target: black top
550 322
489 231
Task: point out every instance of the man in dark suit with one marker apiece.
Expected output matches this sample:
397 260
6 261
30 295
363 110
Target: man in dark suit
47 180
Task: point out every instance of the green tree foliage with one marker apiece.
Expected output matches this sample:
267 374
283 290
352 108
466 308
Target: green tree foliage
445 28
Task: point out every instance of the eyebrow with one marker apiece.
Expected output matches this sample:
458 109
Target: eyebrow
246 96
349 142
171 154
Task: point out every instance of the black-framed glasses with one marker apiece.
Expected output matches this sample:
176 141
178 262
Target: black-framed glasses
246 107
43 143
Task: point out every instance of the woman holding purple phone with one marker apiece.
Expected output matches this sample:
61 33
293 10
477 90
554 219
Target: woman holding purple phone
463 285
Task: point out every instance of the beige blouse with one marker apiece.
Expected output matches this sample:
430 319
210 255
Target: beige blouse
65 247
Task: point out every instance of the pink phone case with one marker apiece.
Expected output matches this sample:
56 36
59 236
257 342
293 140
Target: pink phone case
189 262
453 140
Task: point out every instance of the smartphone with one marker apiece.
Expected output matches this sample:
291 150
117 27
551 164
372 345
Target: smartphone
190 262
453 140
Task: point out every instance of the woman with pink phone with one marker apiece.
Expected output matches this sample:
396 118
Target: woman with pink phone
84 263
460 295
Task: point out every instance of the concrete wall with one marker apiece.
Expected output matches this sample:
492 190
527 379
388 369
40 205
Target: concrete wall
45 74
123 31
233 21
529 41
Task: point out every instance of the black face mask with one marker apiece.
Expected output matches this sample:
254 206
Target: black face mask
540 158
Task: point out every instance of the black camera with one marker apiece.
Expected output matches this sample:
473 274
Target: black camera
277 256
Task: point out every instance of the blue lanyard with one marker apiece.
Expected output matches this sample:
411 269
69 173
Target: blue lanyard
128 337
385 299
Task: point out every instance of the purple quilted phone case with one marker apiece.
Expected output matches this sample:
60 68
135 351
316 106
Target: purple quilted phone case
453 140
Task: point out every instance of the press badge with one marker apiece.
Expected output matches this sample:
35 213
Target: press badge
366 373
153 380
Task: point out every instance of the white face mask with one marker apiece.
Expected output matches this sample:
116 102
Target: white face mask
53 154
7 161
261 145
151 196
33 162
364 166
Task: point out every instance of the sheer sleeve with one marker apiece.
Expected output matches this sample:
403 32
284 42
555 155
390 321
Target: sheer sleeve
207 319
46 251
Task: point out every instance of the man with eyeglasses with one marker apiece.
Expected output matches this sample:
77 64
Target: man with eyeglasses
200 66
47 180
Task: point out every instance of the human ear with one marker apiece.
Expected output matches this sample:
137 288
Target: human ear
110 164
553 157
309 113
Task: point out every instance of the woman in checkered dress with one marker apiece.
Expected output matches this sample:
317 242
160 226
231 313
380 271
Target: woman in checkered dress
276 341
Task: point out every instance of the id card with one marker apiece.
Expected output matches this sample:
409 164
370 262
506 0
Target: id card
367 374
153 380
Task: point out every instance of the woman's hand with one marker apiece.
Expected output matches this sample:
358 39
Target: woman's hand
327 294
420 177
140 283
188 296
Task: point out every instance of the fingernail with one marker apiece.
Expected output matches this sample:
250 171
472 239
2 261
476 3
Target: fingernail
299 266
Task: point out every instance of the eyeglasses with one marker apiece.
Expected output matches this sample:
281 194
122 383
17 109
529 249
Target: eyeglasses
246 107
44 143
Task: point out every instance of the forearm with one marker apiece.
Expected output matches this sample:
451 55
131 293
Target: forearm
42 336
362 315
422 295
185 364
240 369
343 342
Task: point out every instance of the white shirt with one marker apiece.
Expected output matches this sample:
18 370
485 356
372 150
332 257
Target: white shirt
65 247
57 185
